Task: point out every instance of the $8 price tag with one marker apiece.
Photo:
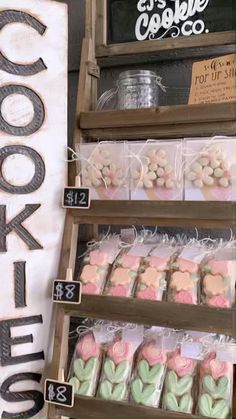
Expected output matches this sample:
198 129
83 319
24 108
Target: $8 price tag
59 393
67 292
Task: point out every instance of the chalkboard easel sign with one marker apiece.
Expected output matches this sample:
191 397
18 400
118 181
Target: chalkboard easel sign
163 22
67 292
76 198
58 393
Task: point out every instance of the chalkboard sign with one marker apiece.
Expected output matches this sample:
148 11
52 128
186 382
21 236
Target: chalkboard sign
140 20
59 393
76 198
67 292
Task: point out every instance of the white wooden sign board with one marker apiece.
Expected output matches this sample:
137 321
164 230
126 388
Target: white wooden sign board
33 138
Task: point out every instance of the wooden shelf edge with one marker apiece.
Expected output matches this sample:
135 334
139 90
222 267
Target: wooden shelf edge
152 313
155 46
87 408
163 115
163 213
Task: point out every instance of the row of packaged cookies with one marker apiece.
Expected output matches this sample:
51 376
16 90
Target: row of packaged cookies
164 270
150 367
185 169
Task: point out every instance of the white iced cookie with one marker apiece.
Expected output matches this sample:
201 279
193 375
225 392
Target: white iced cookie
92 176
144 178
100 157
211 168
156 159
113 175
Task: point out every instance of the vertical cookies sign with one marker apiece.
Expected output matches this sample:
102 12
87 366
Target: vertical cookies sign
33 137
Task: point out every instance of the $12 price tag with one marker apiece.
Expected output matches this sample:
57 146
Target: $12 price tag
67 292
59 393
76 198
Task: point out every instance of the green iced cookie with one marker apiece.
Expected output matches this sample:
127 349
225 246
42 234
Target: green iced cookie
116 373
217 389
150 375
75 383
218 410
178 386
116 393
185 404
84 371
142 394
86 388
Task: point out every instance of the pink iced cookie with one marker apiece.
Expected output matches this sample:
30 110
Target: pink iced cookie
182 366
87 348
98 258
121 276
119 291
131 262
91 289
214 285
184 297
159 263
219 267
218 369
187 265
218 301
148 293
89 274
151 277
153 355
181 281
120 351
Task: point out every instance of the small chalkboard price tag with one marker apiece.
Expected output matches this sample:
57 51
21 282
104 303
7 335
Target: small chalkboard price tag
76 198
67 292
59 393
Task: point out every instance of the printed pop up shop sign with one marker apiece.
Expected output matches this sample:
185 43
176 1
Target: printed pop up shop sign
141 20
33 137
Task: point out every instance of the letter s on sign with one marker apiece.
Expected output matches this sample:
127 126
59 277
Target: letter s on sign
14 16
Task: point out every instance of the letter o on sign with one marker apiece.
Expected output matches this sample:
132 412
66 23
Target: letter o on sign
39 173
39 113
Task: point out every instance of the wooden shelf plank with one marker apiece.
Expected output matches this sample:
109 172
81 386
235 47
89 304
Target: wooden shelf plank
163 122
162 213
155 46
180 114
87 408
152 313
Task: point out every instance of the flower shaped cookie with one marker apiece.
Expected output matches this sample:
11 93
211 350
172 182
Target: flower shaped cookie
156 159
219 267
87 348
120 351
151 277
161 264
200 176
149 293
187 265
215 285
182 366
181 281
183 297
91 289
100 158
119 291
121 276
98 258
130 261
89 274
92 176
218 301
144 177
113 175
153 354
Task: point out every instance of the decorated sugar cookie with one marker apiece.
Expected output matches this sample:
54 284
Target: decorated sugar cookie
215 285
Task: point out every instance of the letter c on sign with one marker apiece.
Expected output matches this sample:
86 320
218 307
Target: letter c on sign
15 16
186 32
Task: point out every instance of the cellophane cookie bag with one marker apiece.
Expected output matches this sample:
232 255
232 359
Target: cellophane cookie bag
215 383
210 169
97 263
179 386
184 280
152 279
149 372
86 365
118 364
121 281
219 276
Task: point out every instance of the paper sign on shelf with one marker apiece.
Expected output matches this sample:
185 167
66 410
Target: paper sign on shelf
213 80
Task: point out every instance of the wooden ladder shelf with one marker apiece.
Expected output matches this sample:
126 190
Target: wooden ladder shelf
164 122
